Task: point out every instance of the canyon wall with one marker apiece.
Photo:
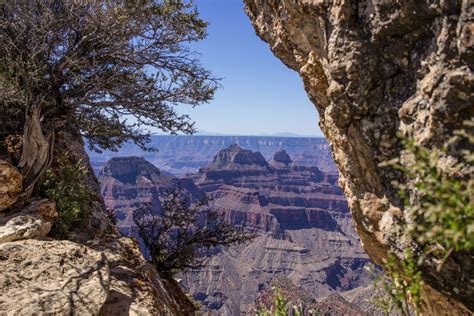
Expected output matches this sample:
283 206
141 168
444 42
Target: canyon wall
305 232
303 223
374 69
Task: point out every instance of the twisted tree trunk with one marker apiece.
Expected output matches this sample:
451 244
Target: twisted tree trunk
37 153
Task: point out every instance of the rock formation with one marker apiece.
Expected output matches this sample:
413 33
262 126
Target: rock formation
301 215
128 183
181 154
304 225
12 185
373 69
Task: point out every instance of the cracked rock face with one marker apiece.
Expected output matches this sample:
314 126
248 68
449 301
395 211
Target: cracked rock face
52 277
373 69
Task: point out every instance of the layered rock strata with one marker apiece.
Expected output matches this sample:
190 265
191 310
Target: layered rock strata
181 154
373 69
301 216
305 228
129 183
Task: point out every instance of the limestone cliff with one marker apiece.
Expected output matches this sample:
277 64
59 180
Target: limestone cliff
372 69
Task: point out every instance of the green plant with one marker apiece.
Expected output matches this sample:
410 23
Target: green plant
64 183
400 287
438 196
284 307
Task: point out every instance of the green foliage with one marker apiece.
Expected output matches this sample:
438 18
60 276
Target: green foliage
400 286
284 307
64 183
438 196
116 69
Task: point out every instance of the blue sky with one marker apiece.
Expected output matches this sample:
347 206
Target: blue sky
260 95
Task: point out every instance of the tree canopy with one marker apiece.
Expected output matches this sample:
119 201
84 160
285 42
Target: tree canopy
115 68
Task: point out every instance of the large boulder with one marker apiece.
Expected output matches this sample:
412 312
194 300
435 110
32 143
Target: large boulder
52 277
374 69
11 185
35 221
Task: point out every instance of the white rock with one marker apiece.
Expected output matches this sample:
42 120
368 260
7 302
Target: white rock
52 277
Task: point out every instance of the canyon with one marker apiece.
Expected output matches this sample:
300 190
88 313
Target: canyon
374 70
304 227
180 154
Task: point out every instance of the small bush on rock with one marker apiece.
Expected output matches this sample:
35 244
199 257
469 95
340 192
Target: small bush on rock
400 288
65 185
438 201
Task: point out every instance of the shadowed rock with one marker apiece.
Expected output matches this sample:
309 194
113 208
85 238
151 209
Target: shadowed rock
281 158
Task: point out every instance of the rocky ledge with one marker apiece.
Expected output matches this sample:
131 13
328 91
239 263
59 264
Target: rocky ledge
94 273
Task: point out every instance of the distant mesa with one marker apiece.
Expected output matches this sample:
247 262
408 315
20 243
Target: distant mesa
234 156
126 169
281 158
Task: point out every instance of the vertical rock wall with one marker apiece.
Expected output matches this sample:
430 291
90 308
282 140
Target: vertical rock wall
372 69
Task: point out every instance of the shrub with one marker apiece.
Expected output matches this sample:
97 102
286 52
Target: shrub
400 286
284 307
65 184
438 198
179 235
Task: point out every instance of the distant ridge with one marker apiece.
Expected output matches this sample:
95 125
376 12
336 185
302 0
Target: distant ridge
180 154
206 133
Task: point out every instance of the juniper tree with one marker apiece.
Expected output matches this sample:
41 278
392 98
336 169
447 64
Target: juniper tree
109 70
180 235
